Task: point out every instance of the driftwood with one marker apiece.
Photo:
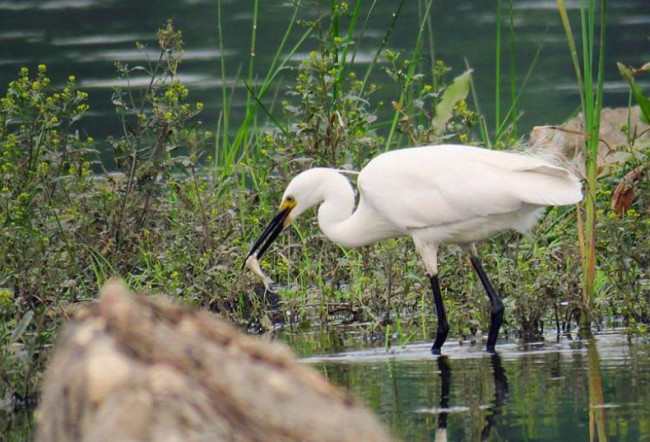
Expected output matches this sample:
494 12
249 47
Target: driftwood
130 369
570 137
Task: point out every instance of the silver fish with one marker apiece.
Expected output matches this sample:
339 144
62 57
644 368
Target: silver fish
254 266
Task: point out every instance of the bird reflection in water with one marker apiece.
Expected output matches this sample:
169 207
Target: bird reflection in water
445 387
500 395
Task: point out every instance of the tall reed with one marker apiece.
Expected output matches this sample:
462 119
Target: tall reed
505 124
411 72
230 152
384 41
591 98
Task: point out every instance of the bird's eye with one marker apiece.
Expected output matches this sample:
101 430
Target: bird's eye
290 199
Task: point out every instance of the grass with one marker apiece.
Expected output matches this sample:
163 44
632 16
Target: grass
408 78
229 153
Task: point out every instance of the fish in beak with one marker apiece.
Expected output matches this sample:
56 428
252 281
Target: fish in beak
277 225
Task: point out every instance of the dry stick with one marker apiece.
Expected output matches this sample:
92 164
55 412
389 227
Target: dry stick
204 217
153 158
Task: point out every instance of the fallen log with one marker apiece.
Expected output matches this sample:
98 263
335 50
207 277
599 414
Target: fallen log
129 368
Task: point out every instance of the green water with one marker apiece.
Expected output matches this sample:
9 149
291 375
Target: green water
86 37
555 391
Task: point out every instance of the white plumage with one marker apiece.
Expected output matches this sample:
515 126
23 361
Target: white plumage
447 194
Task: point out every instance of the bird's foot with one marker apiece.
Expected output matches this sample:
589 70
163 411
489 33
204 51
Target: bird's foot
493 333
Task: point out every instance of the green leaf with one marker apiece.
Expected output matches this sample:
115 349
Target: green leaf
639 96
22 326
643 101
625 72
455 92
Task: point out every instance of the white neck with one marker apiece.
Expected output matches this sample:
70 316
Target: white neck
337 198
337 220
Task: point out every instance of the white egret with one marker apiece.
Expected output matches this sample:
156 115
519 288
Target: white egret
437 195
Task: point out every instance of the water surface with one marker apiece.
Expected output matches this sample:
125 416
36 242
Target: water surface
556 391
86 37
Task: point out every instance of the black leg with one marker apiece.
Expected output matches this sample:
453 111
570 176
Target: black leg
443 325
496 311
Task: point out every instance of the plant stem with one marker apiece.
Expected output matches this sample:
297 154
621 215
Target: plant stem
409 76
497 71
592 102
384 41
513 72
224 90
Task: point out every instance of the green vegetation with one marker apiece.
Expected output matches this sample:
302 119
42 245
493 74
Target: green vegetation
182 203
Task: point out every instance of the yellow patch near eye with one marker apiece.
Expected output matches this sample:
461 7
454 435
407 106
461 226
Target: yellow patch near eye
288 204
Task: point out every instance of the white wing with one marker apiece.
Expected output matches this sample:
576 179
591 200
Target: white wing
437 185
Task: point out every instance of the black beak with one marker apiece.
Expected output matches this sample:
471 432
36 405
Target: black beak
277 224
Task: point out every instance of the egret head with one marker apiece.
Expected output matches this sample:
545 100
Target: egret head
303 192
